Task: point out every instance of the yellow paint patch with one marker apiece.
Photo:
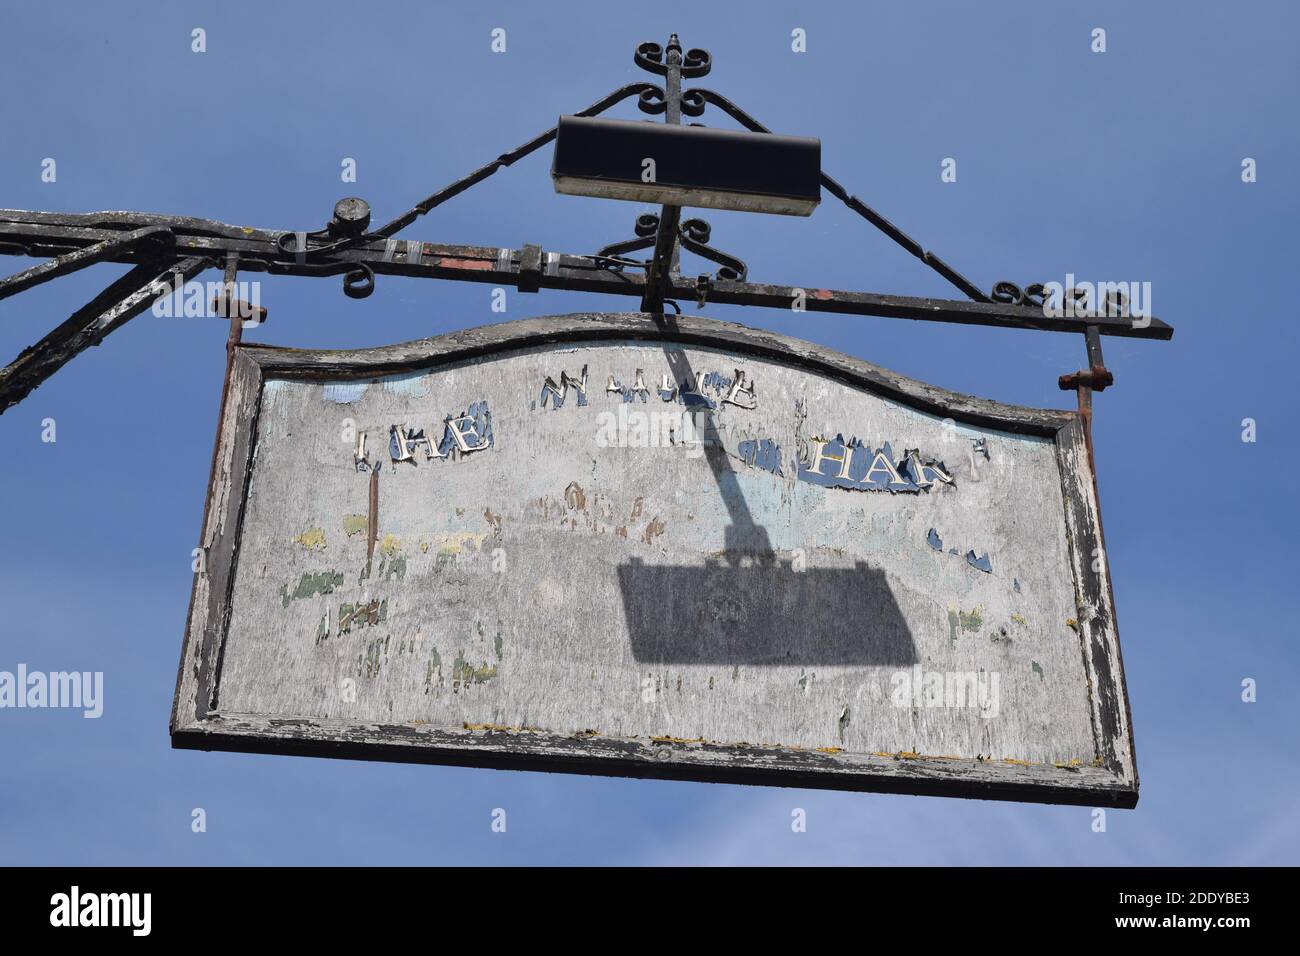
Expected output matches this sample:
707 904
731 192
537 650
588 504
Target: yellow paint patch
677 740
499 728
391 545
312 539
454 542
355 524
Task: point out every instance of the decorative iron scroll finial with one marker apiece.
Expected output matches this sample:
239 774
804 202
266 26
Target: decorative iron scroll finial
695 62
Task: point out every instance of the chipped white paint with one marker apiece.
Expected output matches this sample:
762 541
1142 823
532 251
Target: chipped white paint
598 597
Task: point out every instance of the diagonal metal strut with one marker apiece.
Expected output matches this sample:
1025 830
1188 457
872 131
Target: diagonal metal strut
106 313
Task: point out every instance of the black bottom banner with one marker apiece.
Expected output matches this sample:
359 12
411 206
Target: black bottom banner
208 906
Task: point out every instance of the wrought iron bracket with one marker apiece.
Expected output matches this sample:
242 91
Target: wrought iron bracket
692 234
156 246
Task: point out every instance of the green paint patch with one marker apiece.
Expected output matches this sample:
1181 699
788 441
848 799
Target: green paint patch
310 585
959 620
392 567
497 643
373 659
433 669
463 674
355 524
1037 669
362 615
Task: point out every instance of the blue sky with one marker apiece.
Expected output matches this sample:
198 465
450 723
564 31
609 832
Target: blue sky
1123 165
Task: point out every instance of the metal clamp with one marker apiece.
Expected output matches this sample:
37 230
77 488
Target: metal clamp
530 269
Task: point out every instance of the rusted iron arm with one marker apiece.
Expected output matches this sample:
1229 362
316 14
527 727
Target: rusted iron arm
102 237
77 259
107 312
696 100
346 238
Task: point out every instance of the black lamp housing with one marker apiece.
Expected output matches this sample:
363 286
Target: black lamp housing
697 166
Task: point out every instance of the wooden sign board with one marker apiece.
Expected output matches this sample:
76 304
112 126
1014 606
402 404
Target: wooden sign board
629 545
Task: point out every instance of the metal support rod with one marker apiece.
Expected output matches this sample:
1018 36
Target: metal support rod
234 313
1096 378
743 534
853 202
1092 342
664 264
232 341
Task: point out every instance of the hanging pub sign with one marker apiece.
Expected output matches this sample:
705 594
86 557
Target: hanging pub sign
642 546
631 543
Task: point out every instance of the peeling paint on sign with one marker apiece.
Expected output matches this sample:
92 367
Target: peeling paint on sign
344 393
732 614
761 453
312 539
310 585
969 621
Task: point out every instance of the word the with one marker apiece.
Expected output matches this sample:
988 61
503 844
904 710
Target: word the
465 434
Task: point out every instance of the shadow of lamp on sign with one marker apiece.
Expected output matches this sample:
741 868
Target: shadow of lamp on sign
764 614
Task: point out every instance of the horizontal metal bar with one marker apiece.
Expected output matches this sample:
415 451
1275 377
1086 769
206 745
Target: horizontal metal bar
56 234
79 258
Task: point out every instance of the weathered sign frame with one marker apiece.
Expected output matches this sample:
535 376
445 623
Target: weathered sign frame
197 721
